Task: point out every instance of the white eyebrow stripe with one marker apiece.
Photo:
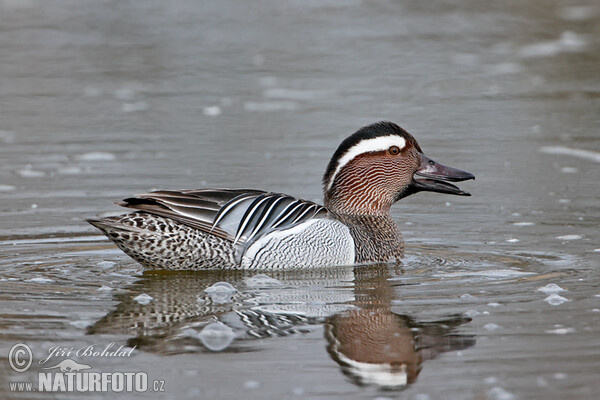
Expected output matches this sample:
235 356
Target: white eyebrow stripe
381 143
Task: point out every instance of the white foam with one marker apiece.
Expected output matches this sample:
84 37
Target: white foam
69 171
134 107
569 237
524 223
31 173
560 331
567 151
91 91
569 170
40 280
81 324
96 156
512 240
490 326
125 93
270 106
504 68
498 393
7 137
578 13
492 273
289 94
212 111
568 42
143 299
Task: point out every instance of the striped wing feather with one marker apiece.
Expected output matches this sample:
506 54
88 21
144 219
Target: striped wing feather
238 215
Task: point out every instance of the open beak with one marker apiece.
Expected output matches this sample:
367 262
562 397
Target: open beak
435 177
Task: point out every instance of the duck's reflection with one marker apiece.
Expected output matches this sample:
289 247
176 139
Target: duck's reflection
372 344
375 346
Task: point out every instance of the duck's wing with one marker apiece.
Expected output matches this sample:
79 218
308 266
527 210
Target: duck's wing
238 215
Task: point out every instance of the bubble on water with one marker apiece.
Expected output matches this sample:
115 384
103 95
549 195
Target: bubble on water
251 384
504 68
31 173
494 304
105 289
472 313
7 137
595 309
569 237
291 94
564 201
551 288
498 393
490 380
69 171
106 264
212 111
512 240
96 156
125 93
569 170
578 13
560 331
216 336
270 106
466 296
221 292
91 91
262 280
490 326
567 42
134 107
524 223
40 280
560 375
143 299
81 324
298 391
34 206
7 188
542 382
555 300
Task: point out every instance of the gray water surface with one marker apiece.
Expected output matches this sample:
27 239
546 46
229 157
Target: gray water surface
499 293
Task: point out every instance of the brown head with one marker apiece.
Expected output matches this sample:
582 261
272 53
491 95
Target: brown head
377 166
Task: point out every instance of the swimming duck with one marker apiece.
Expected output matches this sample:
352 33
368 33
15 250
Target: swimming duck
254 229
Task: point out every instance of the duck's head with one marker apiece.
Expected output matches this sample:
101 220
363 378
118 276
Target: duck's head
379 165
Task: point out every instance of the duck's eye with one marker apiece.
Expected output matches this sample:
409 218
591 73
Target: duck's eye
394 150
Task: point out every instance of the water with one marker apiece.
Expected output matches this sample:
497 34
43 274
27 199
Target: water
101 100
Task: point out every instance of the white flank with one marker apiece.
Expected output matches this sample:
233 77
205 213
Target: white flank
381 143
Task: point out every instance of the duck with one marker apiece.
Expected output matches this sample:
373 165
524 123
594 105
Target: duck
250 229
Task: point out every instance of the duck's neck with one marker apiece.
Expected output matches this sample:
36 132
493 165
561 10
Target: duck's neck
353 200
377 238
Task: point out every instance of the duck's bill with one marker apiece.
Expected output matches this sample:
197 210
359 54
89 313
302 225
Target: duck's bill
435 177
